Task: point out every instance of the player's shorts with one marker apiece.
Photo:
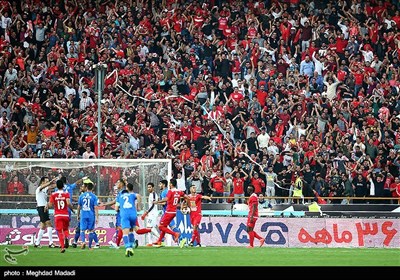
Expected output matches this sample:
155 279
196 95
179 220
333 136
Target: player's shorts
171 224
43 215
167 218
61 223
151 221
87 223
251 224
128 221
195 218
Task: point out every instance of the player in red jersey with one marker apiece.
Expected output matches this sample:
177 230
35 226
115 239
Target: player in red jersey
194 203
61 202
173 200
252 217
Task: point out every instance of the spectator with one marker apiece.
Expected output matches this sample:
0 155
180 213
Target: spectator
15 186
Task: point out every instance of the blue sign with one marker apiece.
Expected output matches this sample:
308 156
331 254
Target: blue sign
183 225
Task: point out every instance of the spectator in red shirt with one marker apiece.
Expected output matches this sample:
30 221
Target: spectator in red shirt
217 184
239 178
15 186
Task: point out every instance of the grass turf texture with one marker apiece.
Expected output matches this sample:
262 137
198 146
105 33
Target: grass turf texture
205 256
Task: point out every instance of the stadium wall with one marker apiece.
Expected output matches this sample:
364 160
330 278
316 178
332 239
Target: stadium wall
231 231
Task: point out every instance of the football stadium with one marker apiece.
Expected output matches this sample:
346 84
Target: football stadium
201 133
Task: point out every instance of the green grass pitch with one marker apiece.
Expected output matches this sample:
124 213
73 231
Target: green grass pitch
204 256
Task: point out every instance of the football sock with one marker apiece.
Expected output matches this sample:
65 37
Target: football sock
61 238
194 235
119 237
39 237
251 235
90 239
126 242
66 234
77 234
50 234
131 238
83 236
162 234
95 238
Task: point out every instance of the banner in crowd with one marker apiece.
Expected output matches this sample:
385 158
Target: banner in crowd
231 231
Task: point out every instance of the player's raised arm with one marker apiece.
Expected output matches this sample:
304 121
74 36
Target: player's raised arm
49 184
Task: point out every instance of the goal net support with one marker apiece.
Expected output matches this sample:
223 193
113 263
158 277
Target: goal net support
103 172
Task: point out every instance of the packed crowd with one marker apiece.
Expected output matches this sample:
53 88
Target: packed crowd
267 93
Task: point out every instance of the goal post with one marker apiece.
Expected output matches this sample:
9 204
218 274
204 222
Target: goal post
103 172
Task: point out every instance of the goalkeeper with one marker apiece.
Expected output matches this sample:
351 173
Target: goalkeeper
151 215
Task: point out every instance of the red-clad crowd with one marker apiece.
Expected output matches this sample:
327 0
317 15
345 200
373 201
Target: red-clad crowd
267 93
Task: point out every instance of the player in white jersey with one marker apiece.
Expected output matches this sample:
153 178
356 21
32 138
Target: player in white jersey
151 214
41 201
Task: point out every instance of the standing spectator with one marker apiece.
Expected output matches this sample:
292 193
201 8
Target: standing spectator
263 139
228 188
360 188
5 21
195 179
88 153
395 190
15 186
348 189
271 178
256 181
252 144
307 67
85 101
331 83
239 179
10 75
32 180
217 185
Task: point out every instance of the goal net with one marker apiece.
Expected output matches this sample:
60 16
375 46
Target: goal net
103 172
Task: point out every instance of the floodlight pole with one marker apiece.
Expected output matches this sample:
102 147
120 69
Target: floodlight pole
100 72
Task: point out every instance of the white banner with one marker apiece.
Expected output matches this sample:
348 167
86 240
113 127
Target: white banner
303 232
231 231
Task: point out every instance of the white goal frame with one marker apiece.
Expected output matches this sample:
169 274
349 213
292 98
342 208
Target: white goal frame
18 164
